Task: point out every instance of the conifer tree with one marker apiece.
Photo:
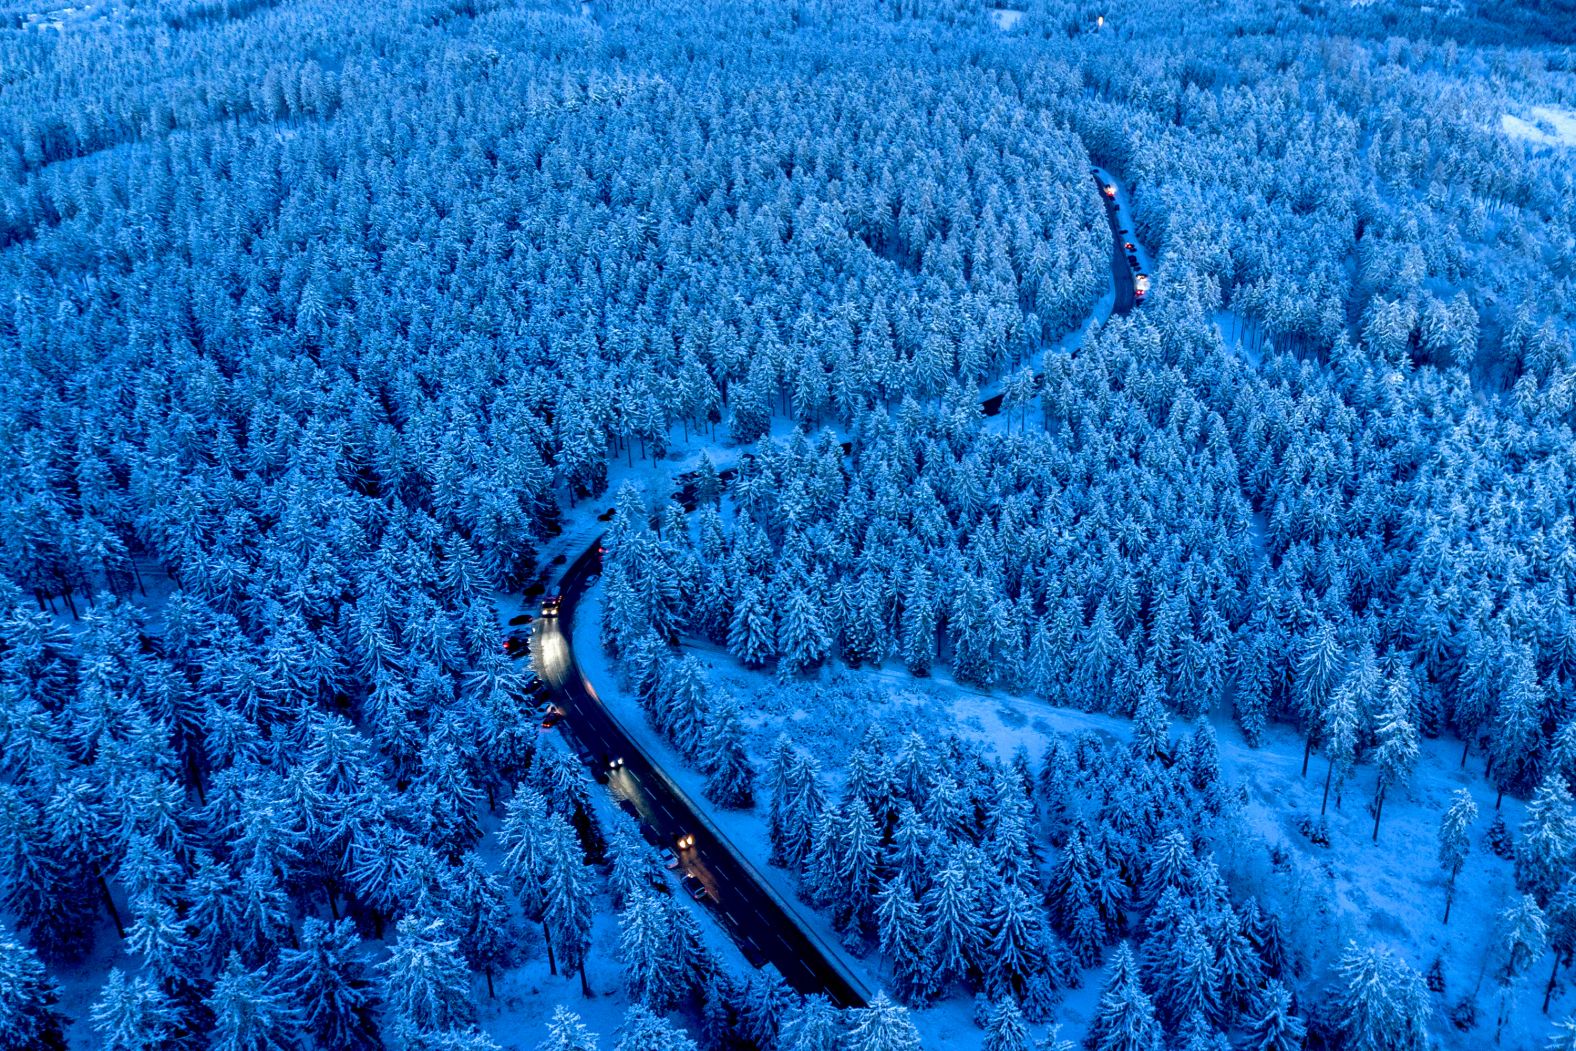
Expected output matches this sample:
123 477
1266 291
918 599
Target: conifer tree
330 982
1547 844
953 921
137 1013
752 634
1396 729
1381 1004
565 1032
1005 1029
486 934
813 1025
250 1011
1271 1025
901 928
883 1026
1124 1018
644 1031
566 916
425 981
1454 841
730 781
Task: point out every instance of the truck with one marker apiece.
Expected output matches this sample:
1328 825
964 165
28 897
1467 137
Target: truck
1140 286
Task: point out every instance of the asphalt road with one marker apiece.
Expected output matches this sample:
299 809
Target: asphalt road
1121 271
750 913
1121 277
746 909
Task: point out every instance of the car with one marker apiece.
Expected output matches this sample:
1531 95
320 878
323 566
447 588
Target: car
1128 246
1132 261
551 604
695 888
686 841
522 618
517 646
672 863
1109 190
553 717
605 767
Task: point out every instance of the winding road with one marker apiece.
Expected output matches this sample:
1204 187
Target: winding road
755 915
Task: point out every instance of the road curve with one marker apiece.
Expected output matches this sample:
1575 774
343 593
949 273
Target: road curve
753 914
1122 283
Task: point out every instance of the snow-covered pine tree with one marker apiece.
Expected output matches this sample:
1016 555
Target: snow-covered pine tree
1015 945
952 918
135 1012
566 1032
1455 843
331 985
250 1010
752 634
567 913
425 981
883 1026
644 1031
814 1025
1396 730
1381 1004
486 928
1270 1024
1124 1017
901 928
651 969
730 780
804 638
1547 844
1005 1029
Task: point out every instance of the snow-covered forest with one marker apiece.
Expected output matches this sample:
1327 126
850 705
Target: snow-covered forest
1199 675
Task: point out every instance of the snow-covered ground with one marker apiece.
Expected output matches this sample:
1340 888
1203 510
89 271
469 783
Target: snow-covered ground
1549 126
1005 17
1390 892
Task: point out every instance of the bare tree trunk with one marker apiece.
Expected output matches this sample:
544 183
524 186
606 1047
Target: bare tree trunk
120 928
1329 773
1378 810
